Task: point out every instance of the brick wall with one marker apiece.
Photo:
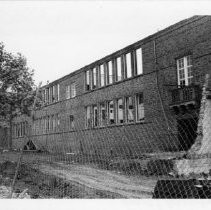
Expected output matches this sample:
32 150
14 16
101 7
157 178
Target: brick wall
188 37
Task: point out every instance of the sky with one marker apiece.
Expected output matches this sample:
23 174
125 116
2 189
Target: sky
59 37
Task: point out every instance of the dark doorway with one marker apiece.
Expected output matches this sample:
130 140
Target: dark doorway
29 146
187 129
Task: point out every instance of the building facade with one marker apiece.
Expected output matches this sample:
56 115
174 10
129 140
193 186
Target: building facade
144 98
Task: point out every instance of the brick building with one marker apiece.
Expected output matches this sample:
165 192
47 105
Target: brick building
143 98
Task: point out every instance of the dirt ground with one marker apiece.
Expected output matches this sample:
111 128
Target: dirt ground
47 178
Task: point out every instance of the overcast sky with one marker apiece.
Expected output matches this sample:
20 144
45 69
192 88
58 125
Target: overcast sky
60 37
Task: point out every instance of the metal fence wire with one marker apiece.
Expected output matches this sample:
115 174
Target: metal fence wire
168 158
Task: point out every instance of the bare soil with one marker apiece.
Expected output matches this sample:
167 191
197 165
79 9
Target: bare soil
47 178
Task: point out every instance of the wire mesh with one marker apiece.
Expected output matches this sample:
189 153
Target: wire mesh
158 157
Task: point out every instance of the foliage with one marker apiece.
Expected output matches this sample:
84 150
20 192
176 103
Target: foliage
17 88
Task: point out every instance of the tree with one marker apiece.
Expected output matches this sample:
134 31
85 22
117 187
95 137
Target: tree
17 88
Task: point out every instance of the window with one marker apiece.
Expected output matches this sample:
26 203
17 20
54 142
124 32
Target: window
119 69
95 115
139 107
102 114
43 96
47 123
129 109
57 119
128 65
87 81
88 117
102 75
53 94
94 71
50 94
110 73
184 71
18 130
51 123
73 90
58 92
120 112
71 121
139 63
47 95
67 92
111 112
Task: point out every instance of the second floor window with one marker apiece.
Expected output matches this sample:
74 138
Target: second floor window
110 72
128 65
73 90
67 92
119 69
87 81
102 75
184 71
94 85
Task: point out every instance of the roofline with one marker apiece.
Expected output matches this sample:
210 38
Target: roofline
134 45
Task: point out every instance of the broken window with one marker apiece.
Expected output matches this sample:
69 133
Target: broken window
111 112
102 75
102 114
139 107
184 71
129 109
139 63
119 69
128 65
95 116
73 90
120 111
88 117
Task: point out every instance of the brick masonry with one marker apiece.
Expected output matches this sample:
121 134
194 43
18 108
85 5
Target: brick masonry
191 36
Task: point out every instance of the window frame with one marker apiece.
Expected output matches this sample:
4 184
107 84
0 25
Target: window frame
137 107
117 111
127 109
184 70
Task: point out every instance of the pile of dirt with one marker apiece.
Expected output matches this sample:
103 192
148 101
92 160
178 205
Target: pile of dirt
42 185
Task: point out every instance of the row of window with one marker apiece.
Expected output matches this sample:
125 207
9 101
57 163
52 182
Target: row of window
46 124
123 110
50 124
20 129
70 91
51 94
120 68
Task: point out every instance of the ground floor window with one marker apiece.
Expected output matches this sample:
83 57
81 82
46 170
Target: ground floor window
111 112
88 117
95 119
120 111
71 121
102 114
139 107
129 109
